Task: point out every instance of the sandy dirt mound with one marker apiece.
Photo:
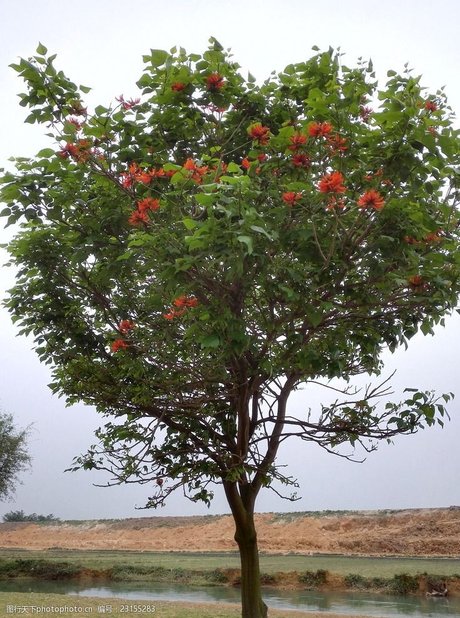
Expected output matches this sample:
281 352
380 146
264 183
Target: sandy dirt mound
415 532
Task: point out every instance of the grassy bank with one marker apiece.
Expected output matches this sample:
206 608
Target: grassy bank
394 576
270 563
119 608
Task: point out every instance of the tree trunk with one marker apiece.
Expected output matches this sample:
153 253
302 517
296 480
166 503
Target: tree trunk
241 501
251 593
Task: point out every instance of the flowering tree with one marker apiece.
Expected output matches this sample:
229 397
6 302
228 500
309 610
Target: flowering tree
187 259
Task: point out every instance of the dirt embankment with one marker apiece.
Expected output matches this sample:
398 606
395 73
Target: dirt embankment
414 532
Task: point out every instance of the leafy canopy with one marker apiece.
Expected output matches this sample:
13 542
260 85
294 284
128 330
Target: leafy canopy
187 259
14 456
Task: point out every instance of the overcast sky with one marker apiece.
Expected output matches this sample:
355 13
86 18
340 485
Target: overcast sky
100 44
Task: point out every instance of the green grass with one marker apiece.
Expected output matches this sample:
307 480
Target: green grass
340 565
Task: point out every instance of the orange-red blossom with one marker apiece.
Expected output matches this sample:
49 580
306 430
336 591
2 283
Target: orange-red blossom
332 183
291 197
259 133
371 199
214 82
180 305
140 215
119 344
319 129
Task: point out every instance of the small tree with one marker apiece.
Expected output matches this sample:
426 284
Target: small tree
14 457
187 260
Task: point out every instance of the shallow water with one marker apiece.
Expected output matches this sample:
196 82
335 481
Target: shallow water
383 606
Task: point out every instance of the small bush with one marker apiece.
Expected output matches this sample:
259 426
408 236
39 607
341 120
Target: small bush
404 584
313 578
267 580
216 577
356 581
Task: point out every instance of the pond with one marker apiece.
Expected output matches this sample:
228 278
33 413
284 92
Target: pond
383 606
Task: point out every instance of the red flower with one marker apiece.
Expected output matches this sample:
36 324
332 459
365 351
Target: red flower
148 203
138 217
127 104
181 304
319 129
125 326
430 106
297 141
119 344
336 143
371 199
300 160
290 197
197 171
259 133
332 183
178 86
80 151
185 301
417 283
246 163
214 82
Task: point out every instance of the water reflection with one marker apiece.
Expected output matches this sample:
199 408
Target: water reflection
383 606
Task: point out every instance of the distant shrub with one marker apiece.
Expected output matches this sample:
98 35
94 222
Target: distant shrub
353 580
313 578
217 576
404 583
267 580
33 517
38 568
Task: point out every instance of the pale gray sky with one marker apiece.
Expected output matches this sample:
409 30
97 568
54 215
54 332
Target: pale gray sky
100 44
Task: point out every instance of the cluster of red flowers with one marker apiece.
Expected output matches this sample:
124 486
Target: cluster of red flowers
300 159
80 151
127 104
215 82
259 133
121 344
291 197
430 106
336 143
319 129
332 183
196 172
246 163
125 326
298 140
178 86
180 305
137 174
371 199
140 215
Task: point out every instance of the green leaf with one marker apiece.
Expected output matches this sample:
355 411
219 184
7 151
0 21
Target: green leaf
41 50
190 224
158 57
46 153
246 240
211 341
